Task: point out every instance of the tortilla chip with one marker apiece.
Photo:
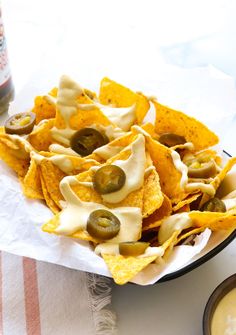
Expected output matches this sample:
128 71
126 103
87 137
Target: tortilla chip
41 138
170 244
214 220
123 269
112 93
92 95
152 197
185 208
85 193
11 157
52 176
51 225
169 176
82 116
154 220
150 129
190 198
53 92
49 201
171 121
192 231
31 184
2 130
43 108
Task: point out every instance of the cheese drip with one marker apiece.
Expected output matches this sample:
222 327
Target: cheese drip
176 222
68 93
134 168
76 212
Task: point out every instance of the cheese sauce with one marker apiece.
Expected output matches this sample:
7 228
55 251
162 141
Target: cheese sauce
75 215
205 188
110 131
68 92
134 168
107 151
62 162
181 167
113 249
59 149
224 317
173 223
123 117
188 145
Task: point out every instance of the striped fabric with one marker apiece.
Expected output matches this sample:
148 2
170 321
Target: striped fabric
38 298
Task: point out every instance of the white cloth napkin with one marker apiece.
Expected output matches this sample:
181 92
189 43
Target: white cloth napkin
38 298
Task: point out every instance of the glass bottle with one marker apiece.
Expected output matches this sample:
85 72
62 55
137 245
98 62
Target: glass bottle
6 84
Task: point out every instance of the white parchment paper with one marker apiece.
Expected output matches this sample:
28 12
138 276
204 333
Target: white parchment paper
205 93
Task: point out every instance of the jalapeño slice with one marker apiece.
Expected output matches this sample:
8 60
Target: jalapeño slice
20 124
86 140
103 224
108 179
202 170
132 248
214 205
170 139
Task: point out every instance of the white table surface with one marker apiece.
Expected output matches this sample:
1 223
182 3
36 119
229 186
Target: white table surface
108 37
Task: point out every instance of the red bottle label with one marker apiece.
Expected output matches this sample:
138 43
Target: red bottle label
4 65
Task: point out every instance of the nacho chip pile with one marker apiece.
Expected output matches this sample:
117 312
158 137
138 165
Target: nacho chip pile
133 190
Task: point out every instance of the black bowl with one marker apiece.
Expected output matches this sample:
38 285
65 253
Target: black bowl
226 286
193 265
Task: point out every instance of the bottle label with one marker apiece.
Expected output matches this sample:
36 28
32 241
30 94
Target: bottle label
4 65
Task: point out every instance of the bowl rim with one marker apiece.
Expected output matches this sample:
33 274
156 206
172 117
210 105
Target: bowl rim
217 295
204 258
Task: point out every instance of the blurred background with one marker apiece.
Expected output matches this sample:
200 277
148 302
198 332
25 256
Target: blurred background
108 36
167 48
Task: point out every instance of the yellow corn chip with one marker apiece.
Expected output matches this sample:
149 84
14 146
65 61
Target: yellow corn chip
124 268
11 156
112 93
150 129
193 231
152 197
53 92
31 183
41 137
85 193
92 95
185 208
85 112
2 130
43 108
52 176
214 220
169 176
84 118
155 219
171 121
49 201
190 198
